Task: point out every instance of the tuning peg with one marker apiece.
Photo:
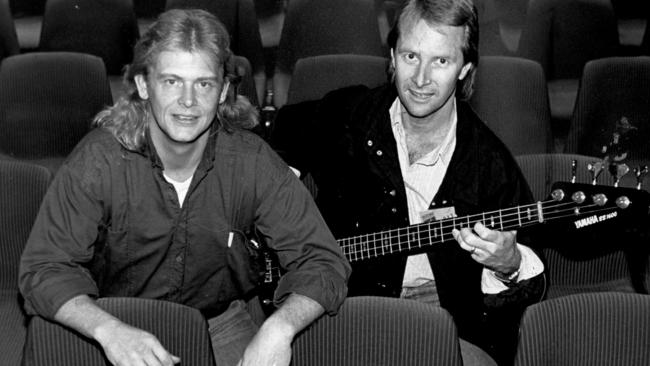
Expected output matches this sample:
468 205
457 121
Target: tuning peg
557 195
578 197
640 173
618 171
623 202
574 170
595 168
600 199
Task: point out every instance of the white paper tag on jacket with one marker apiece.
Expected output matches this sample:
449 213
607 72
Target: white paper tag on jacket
438 214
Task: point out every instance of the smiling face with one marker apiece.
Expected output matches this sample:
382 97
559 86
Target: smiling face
428 62
184 90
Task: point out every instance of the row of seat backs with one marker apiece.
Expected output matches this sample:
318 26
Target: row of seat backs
511 96
590 329
48 101
510 93
109 28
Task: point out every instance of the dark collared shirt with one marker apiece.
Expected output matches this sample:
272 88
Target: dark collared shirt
111 225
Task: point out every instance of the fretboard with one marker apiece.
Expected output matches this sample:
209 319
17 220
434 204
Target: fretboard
414 237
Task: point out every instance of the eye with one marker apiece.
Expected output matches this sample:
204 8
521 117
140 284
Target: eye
205 84
443 61
170 81
410 56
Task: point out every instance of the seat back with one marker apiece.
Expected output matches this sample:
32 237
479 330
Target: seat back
380 331
315 27
104 28
23 186
511 97
315 76
610 89
8 37
562 35
182 330
591 329
48 101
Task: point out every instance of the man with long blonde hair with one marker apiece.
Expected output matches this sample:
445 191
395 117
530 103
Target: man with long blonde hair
162 201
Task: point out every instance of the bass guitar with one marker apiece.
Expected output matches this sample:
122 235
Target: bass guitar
573 206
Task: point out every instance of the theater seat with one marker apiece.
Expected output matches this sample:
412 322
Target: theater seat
562 35
316 27
613 88
180 329
511 97
592 329
240 19
315 76
380 331
23 186
48 101
8 38
104 28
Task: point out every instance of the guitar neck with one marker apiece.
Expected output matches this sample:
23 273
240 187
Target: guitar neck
415 237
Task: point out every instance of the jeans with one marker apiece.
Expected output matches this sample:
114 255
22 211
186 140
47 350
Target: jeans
231 332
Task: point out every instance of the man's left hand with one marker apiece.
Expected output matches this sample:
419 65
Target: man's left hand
496 250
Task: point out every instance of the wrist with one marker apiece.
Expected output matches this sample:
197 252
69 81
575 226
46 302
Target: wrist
104 330
507 277
510 273
278 328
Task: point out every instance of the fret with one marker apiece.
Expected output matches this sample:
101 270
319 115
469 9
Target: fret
374 244
366 246
501 219
399 242
519 215
483 216
408 241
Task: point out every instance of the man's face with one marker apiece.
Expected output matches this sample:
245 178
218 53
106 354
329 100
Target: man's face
428 62
184 90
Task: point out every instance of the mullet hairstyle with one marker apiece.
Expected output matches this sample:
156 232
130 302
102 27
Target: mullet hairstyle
455 13
185 30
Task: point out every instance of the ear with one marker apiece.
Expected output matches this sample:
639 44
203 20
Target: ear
141 85
224 92
463 72
392 58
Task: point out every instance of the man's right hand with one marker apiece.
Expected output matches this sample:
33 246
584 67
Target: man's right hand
123 344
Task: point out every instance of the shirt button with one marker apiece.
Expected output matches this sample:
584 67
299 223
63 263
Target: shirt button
379 153
369 142
179 258
393 210
392 193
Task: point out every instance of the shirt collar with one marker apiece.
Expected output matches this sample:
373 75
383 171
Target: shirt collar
444 152
207 158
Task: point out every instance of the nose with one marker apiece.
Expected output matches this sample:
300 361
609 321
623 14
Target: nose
422 75
187 98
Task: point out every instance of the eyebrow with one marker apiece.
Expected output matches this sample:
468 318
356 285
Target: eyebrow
202 78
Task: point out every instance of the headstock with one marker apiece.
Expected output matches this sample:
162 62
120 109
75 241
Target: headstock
612 206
